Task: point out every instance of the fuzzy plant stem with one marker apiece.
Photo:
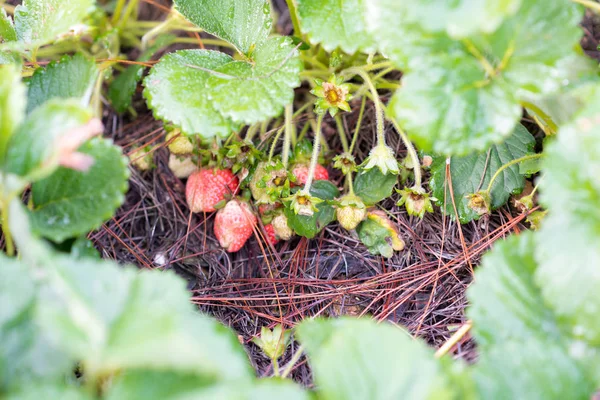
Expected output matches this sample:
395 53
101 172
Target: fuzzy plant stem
342 133
294 18
285 154
361 114
315 155
379 118
412 153
589 4
295 358
10 247
509 164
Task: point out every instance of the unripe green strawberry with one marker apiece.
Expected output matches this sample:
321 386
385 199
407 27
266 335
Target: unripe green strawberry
182 167
207 187
234 225
141 158
270 182
178 143
351 212
281 227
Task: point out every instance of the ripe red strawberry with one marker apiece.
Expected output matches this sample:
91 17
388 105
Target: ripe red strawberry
207 187
234 225
270 231
300 171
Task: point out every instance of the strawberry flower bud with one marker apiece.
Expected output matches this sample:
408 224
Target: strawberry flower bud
345 162
273 342
303 203
480 202
382 157
416 201
332 96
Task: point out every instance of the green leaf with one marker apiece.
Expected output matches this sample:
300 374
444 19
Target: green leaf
38 22
465 95
69 203
473 172
12 104
113 318
372 186
178 92
71 77
158 385
567 242
7 28
32 150
524 352
243 23
123 87
209 93
252 93
375 238
445 108
84 248
26 353
463 17
335 23
50 390
309 226
359 359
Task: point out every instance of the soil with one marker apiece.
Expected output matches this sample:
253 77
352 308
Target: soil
421 288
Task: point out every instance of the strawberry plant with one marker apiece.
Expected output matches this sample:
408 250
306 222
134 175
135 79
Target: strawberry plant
456 79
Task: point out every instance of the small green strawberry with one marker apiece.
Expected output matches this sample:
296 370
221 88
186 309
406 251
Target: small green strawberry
351 211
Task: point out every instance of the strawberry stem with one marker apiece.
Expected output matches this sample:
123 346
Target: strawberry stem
411 152
315 155
285 155
379 118
342 133
508 164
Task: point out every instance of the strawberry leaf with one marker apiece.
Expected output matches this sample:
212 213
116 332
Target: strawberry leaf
446 111
243 23
38 22
309 226
524 351
463 17
473 173
178 92
252 93
463 95
123 87
209 93
71 77
26 353
372 186
375 237
335 23
12 105
153 385
111 318
49 390
7 28
358 359
70 203
571 190
31 151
